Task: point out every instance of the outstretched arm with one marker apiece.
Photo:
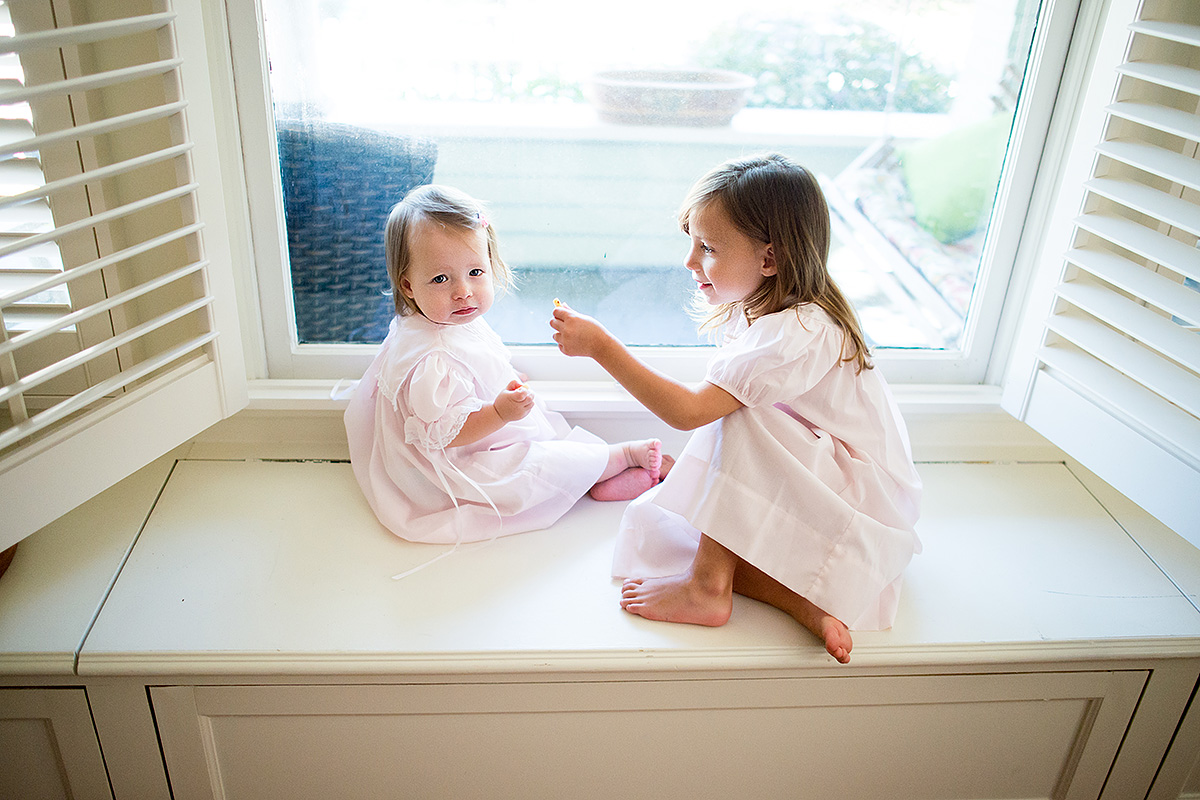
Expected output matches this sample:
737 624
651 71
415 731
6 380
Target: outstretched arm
680 406
514 403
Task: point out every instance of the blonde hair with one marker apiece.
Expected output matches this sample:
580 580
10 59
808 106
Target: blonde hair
448 207
774 200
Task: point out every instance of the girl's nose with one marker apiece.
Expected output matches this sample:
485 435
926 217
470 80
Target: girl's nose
462 290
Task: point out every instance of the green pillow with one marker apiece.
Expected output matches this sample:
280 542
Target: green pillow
952 179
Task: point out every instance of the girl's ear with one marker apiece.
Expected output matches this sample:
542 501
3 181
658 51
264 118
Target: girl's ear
768 267
406 288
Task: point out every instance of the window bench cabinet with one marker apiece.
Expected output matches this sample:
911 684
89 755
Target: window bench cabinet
240 614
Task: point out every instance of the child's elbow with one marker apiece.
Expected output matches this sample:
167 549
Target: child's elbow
689 420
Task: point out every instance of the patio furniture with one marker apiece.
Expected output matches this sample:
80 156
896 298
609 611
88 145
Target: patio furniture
339 183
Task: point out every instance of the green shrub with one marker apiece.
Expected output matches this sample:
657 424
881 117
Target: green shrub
845 65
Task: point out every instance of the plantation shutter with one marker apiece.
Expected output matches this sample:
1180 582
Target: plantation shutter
1117 377
118 332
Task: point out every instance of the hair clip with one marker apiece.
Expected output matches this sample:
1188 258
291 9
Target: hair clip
483 221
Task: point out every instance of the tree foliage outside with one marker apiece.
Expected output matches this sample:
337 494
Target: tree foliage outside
847 64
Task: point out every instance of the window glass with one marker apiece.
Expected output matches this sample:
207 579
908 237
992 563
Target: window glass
583 132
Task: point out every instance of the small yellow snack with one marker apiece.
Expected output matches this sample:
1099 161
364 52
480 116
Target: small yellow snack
557 302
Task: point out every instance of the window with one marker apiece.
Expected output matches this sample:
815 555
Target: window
907 115
230 174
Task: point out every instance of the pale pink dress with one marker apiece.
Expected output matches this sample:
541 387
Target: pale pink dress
812 481
411 403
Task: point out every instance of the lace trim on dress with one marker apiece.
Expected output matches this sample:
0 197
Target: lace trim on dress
437 435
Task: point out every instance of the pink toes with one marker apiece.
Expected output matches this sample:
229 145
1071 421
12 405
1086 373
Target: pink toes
654 459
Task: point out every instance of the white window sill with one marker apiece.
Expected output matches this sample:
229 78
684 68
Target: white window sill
945 423
590 397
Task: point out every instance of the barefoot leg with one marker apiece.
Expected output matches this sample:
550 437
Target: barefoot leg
753 582
703 595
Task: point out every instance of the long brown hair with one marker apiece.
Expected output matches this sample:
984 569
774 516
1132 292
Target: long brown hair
449 207
774 200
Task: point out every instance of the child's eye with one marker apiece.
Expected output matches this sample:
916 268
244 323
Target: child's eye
439 279
705 248
475 273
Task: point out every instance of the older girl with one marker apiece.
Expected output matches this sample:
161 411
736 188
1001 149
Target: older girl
798 487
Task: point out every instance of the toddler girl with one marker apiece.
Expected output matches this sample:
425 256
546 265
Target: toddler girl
446 442
798 488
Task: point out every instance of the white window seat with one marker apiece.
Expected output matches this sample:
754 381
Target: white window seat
251 599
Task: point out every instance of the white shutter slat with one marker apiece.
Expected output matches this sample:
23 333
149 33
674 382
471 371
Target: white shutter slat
85 34
28 94
119 168
1163 163
1149 201
1173 298
67 320
1126 356
1164 423
1145 242
1171 120
97 219
59 278
12 131
26 219
98 392
1170 76
20 175
1154 330
112 124
1169 31
108 345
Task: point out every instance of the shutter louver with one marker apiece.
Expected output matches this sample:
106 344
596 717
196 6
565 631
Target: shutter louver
1123 331
109 135
116 268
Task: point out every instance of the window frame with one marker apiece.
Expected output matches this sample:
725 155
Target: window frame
986 337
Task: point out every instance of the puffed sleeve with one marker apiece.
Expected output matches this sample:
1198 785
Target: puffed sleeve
777 359
440 394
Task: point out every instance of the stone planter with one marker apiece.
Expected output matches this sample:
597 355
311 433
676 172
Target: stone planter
697 97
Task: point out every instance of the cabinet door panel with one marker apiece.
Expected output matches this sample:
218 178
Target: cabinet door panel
48 746
977 736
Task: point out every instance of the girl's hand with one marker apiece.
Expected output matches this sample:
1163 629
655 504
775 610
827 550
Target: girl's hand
578 334
514 403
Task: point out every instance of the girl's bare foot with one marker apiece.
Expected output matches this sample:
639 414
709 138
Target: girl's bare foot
625 486
678 598
837 638
753 582
646 454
